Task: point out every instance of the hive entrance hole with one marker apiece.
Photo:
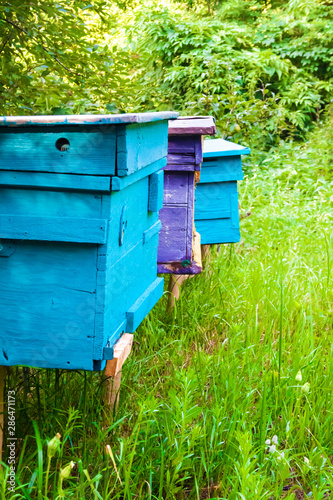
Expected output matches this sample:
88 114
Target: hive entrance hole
62 144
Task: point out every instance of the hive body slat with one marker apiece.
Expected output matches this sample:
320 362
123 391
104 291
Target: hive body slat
91 151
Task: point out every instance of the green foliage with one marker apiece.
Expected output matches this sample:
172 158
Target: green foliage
263 70
241 65
53 59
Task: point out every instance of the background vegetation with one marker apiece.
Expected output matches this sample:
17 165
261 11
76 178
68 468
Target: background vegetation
230 397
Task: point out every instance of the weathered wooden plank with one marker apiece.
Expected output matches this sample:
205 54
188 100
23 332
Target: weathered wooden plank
136 219
215 148
64 120
182 270
223 169
120 285
216 216
182 145
108 351
66 229
47 300
134 146
181 159
155 194
55 181
113 369
173 236
188 125
213 201
175 188
198 149
39 203
119 183
91 151
144 304
196 249
121 351
181 167
217 231
190 217
152 231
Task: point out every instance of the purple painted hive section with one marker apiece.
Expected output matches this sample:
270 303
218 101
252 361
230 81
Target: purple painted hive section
175 252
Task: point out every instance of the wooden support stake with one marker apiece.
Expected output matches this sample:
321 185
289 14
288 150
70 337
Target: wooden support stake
176 280
205 252
3 373
113 369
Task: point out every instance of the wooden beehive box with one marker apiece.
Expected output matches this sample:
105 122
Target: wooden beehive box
216 197
178 239
79 228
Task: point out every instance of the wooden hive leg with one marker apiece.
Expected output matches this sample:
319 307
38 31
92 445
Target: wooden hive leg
113 369
205 252
176 281
3 373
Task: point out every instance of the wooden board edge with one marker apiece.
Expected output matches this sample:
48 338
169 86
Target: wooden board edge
122 350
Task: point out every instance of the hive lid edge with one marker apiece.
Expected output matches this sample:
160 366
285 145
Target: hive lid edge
52 120
191 125
221 147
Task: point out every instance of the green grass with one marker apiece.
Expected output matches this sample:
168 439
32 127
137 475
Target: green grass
206 388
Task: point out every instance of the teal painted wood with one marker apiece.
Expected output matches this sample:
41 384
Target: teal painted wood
47 291
154 229
223 169
91 151
119 183
116 295
216 148
48 203
21 227
216 199
86 120
155 196
216 213
132 202
134 146
58 182
144 304
63 304
108 350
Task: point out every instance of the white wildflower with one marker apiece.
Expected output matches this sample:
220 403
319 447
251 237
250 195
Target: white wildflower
268 441
307 461
305 388
275 439
298 377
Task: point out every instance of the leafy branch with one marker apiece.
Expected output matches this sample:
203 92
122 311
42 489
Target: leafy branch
42 46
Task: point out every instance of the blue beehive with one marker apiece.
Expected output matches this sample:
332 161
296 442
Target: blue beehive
216 198
79 229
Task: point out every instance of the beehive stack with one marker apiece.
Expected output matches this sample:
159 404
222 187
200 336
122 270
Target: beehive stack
178 238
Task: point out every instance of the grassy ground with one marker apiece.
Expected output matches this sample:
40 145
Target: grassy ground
231 396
